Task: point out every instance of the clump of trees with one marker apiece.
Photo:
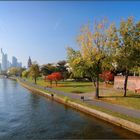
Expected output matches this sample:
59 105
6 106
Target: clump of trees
60 66
104 47
14 71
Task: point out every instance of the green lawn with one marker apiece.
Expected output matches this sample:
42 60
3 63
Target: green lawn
75 87
132 100
107 93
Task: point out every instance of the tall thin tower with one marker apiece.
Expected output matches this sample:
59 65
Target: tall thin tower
29 62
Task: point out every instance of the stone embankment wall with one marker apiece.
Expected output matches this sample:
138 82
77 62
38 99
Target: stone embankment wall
133 82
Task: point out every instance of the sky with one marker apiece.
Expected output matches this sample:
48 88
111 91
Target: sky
44 29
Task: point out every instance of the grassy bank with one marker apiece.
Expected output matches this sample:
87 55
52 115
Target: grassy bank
107 92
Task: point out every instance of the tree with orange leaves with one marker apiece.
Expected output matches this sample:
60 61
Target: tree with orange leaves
56 76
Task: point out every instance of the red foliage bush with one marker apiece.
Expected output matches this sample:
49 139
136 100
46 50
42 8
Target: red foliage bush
56 76
107 76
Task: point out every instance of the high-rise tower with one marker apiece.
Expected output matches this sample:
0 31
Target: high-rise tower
4 61
29 62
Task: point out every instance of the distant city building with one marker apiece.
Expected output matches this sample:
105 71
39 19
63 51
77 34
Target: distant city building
8 64
14 62
4 62
0 67
29 62
19 64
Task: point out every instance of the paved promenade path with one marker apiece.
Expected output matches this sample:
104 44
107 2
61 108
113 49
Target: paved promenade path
88 98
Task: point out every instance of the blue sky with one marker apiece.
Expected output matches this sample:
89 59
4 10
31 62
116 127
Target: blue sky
44 29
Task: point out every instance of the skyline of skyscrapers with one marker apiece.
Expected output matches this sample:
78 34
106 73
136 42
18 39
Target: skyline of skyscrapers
5 63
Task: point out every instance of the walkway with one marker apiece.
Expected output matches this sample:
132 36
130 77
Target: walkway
89 100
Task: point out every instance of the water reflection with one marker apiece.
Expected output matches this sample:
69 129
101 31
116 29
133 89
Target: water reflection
34 99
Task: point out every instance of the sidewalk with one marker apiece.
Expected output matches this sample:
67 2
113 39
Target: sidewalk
109 106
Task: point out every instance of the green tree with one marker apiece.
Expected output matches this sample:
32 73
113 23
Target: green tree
61 67
13 71
128 51
34 71
48 69
25 73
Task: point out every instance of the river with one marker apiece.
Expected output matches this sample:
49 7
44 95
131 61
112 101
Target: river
26 115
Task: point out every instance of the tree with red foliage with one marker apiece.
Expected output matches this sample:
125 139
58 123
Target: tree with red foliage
49 78
107 76
56 76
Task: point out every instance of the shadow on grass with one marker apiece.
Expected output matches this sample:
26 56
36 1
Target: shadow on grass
128 96
77 86
77 92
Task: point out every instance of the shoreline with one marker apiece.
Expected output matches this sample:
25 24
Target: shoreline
131 126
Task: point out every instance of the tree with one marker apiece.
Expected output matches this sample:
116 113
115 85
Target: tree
56 76
94 52
13 71
48 69
107 76
61 67
34 71
49 78
128 51
25 73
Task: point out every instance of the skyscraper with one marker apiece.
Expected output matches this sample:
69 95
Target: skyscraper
29 62
4 61
5 64
14 62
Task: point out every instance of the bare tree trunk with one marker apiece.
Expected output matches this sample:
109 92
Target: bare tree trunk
56 83
125 83
94 83
97 87
35 80
51 83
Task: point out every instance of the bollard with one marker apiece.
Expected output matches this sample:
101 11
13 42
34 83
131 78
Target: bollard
82 98
52 95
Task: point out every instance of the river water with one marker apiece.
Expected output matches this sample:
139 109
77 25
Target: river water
26 115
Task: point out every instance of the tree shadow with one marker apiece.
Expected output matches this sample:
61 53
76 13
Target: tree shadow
76 86
115 96
77 92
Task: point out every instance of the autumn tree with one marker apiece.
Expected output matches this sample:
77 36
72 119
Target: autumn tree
128 51
95 51
56 76
50 79
34 71
107 76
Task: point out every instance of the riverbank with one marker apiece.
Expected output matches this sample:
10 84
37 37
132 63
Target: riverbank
96 112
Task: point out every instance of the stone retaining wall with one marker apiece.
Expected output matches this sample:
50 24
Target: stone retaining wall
133 82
